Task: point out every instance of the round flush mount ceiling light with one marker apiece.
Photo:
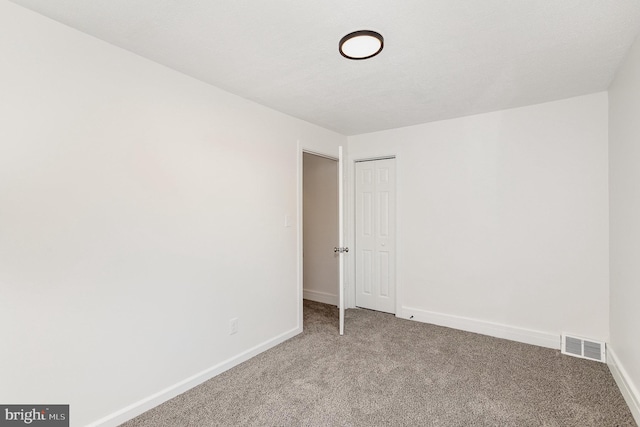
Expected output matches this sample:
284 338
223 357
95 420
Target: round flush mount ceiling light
361 44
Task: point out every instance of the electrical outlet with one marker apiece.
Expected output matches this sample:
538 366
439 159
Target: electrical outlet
233 326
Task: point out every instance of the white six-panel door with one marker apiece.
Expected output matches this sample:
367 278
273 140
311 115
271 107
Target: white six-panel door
375 235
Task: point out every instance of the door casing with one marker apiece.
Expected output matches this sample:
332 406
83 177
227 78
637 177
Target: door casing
301 149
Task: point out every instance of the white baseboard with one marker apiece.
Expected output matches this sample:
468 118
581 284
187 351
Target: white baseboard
625 384
143 405
322 297
527 336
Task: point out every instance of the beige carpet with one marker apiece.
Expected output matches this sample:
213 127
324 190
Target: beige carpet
391 372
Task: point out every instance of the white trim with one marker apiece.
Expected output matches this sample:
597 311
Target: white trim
527 336
625 384
143 405
373 159
299 228
398 230
323 297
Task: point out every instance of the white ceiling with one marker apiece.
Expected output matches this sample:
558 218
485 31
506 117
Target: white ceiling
442 58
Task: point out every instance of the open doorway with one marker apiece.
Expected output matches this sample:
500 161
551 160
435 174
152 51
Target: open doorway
320 228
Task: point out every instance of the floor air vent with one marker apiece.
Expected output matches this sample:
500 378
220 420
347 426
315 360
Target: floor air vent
584 348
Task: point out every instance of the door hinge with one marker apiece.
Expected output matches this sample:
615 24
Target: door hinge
341 250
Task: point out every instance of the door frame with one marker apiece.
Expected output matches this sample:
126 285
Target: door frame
301 149
350 215
326 184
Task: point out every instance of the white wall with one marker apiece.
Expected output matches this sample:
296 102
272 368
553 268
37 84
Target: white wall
624 190
502 220
140 210
320 178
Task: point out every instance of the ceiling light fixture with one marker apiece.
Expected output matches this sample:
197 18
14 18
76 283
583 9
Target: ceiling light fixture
361 44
